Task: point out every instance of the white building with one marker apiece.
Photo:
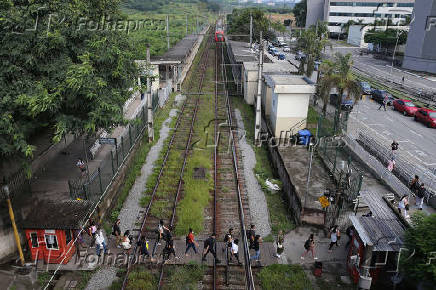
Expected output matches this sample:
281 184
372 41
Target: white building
285 101
250 75
338 13
356 34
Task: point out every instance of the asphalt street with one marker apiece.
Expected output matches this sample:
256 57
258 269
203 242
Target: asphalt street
382 69
417 142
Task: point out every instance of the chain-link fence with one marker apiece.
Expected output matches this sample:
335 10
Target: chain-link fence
91 187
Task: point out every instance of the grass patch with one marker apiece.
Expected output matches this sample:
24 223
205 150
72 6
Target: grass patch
84 279
43 278
277 203
185 277
278 276
140 280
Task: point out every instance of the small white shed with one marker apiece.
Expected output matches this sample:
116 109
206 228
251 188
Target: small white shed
250 74
285 101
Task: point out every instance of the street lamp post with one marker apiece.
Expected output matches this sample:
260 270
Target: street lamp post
14 226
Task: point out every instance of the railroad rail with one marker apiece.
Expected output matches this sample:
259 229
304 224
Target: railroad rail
179 136
230 209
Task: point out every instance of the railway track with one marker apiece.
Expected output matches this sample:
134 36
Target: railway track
164 197
230 203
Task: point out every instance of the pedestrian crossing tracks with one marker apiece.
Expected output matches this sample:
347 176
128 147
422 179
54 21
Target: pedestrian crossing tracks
267 252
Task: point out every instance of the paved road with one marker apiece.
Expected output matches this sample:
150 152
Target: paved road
382 69
417 142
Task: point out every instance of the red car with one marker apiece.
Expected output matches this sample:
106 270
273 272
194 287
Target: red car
405 106
426 116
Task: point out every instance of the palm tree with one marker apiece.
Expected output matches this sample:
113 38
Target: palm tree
326 83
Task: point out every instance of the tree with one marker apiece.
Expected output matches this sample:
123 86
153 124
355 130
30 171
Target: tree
312 42
60 71
239 24
420 240
300 11
326 83
386 38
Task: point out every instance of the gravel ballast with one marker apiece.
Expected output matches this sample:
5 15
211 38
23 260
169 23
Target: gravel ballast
104 277
256 197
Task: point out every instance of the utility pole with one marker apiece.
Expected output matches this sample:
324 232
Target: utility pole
251 30
14 226
259 91
168 32
149 101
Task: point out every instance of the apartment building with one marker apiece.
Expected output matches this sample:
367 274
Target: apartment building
338 13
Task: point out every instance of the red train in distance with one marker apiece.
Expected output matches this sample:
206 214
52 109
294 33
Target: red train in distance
219 36
219 31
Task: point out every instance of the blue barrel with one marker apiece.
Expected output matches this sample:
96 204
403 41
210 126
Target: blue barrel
304 137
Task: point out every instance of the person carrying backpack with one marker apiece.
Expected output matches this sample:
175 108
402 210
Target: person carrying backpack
190 242
116 231
414 184
143 246
235 251
309 246
228 239
384 103
334 237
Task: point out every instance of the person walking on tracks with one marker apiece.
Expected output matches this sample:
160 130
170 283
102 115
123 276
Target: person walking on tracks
256 247
168 250
350 231
251 234
228 239
309 246
92 231
403 206
143 246
160 231
190 242
209 247
280 240
100 242
235 251
334 237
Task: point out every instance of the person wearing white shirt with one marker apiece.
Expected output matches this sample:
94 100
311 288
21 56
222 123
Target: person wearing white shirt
100 242
235 250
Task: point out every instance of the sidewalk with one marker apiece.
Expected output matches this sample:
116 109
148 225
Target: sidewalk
52 181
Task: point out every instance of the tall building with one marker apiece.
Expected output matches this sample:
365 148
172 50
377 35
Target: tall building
338 13
420 54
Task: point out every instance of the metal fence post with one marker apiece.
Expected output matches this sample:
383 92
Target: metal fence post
130 136
112 162
122 146
116 153
71 189
99 181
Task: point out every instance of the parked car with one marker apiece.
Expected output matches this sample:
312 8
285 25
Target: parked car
300 55
426 116
379 95
405 106
366 88
286 48
281 56
275 52
346 103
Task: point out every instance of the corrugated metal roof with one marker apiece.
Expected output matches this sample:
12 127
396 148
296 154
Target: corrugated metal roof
383 229
69 214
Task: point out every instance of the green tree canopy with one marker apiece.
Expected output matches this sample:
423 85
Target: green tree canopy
420 240
61 69
300 11
239 24
386 38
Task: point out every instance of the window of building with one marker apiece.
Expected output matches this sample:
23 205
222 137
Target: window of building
404 4
68 236
34 240
51 242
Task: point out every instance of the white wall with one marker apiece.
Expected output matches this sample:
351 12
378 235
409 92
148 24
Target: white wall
293 105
